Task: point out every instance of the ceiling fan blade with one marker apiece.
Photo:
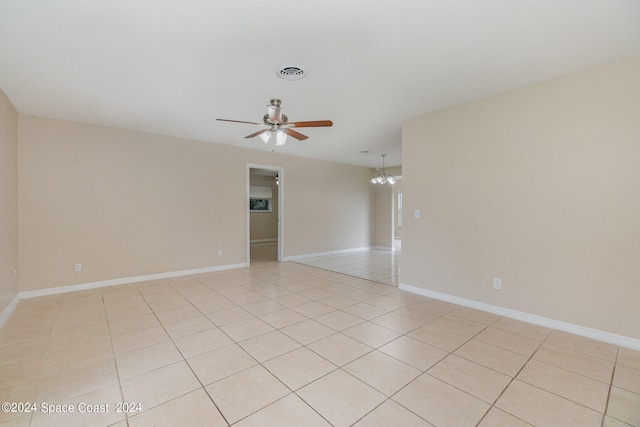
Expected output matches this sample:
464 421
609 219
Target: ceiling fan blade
256 133
294 134
312 124
237 121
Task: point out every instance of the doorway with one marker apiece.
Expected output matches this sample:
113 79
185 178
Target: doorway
265 226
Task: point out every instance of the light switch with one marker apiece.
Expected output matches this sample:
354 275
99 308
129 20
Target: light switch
416 213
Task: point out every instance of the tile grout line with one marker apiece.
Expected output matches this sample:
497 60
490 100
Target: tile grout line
184 357
424 372
258 363
613 374
511 382
46 358
264 367
304 345
115 360
319 355
374 349
150 345
217 327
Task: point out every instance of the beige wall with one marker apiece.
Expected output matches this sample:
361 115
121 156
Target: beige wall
126 204
264 225
539 186
8 201
328 206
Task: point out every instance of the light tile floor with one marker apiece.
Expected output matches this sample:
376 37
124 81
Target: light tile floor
378 265
284 344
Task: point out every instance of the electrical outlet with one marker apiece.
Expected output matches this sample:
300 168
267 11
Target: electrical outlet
337 240
416 213
15 274
78 268
497 283
219 252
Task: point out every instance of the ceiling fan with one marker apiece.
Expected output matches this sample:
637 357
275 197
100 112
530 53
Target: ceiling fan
278 127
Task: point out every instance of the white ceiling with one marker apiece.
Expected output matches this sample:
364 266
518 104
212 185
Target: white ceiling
172 67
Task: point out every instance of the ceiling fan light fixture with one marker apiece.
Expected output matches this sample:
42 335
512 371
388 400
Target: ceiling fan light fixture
265 137
281 138
277 126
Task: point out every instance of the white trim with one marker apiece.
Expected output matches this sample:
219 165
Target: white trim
257 241
337 252
124 280
596 334
9 309
280 240
260 192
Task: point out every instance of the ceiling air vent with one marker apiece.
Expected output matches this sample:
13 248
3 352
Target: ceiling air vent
291 72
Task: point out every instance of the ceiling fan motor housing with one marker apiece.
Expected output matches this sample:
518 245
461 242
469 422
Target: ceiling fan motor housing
275 116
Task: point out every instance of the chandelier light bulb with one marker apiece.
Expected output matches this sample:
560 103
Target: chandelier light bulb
382 177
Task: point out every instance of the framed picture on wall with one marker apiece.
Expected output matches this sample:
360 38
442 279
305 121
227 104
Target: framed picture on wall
260 205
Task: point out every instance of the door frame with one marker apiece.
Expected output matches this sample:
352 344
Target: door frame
280 171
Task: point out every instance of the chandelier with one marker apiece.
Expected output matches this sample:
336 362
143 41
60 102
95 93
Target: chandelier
382 177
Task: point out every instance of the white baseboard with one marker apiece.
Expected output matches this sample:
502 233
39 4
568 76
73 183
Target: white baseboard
255 241
125 280
336 252
9 309
596 334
